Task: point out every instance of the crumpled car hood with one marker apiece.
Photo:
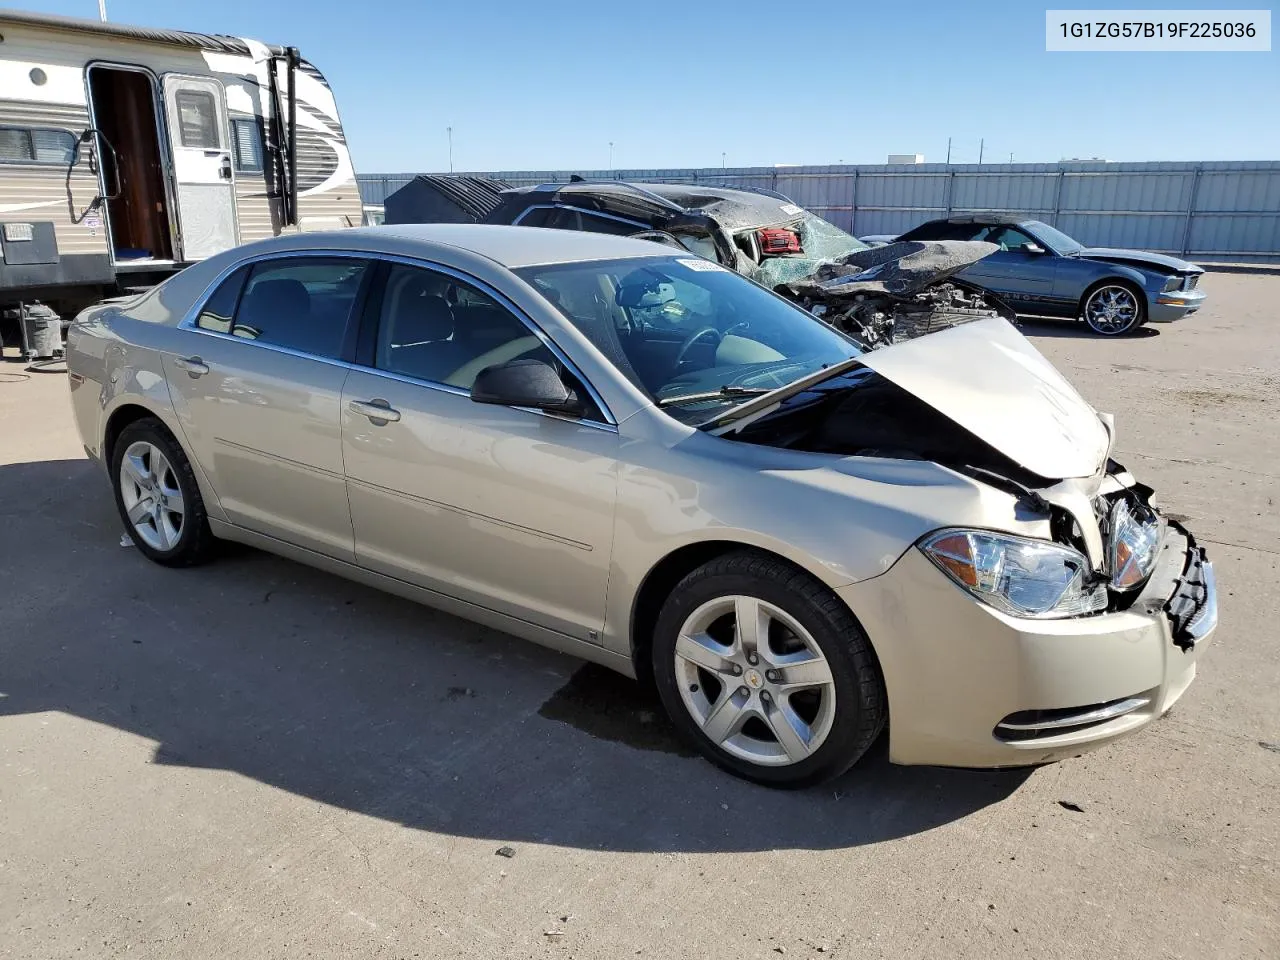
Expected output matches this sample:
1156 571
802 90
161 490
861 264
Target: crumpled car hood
990 380
900 269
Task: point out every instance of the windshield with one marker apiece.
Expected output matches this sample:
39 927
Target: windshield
695 337
1054 239
819 240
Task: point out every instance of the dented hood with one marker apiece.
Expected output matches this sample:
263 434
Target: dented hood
989 379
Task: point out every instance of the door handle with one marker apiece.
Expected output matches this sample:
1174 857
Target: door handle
194 366
379 411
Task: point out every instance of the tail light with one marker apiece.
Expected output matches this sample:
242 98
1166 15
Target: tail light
776 240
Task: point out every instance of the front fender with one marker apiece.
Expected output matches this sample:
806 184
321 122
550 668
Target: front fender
1118 271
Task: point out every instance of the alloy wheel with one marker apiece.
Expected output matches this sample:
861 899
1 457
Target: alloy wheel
1111 309
152 498
755 681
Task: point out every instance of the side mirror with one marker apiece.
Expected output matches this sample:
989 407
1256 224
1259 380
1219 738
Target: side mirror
1034 250
526 383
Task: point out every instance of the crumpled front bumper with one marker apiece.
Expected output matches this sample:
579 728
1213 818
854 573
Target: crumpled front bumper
970 686
1174 305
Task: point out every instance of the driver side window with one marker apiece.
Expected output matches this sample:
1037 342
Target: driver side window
1008 238
434 327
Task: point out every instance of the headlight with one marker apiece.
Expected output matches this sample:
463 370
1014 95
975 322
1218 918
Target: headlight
1018 576
1173 283
1134 544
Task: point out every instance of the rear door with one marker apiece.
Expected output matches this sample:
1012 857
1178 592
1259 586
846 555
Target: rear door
257 381
198 138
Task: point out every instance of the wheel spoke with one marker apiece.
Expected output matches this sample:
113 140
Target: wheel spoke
162 531
727 715
174 504
701 650
160 471
791 731
804 669
751 625
140 511
133 466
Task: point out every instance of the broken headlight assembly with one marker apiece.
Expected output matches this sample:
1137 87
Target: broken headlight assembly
1133 544
1016 575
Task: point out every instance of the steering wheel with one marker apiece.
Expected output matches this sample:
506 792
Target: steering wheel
693 338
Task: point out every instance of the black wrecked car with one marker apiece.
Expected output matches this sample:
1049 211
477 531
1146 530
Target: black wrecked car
877 295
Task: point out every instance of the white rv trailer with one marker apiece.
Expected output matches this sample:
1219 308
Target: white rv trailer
128 152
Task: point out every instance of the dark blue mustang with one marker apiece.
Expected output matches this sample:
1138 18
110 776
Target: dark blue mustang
1040 271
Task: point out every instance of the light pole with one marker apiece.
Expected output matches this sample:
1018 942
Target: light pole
611 156
449 131
722 159
102 10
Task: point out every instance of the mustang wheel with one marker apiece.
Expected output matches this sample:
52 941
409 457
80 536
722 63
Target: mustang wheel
766 672
1113 309
157 495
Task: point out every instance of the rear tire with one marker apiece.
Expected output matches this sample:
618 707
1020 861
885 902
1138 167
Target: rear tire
158 498
794 698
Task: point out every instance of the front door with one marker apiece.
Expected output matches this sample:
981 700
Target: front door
506 508
197 112
1021 271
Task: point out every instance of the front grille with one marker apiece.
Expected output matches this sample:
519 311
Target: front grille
1189 283
1039 724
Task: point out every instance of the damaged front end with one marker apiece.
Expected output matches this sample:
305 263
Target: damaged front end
899 291
981 401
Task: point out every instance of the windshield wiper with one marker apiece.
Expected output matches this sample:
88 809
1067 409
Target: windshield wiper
726 391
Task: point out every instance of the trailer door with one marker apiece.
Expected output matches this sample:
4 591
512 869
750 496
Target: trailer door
197 112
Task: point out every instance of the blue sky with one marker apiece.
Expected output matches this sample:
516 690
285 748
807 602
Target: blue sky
547 84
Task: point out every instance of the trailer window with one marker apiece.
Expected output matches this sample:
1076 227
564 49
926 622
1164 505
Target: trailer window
22 145
247 142
197 119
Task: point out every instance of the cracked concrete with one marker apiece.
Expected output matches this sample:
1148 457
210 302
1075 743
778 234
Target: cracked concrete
187 769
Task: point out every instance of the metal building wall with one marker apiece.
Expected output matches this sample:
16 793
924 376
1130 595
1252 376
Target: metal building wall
1220 210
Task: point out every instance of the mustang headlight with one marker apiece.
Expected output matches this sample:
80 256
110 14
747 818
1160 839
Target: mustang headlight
1016 575
1172 283
1133 545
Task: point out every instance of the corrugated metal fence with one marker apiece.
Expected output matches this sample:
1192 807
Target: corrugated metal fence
1222 210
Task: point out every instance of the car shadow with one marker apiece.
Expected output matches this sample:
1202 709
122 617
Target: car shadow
357 699
1063 329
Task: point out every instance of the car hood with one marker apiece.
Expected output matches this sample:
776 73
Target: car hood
988 379
1140 258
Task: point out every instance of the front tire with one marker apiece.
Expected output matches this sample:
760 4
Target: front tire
1113 309
157 496
766 672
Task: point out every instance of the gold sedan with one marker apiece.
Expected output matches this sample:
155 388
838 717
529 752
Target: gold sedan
632 455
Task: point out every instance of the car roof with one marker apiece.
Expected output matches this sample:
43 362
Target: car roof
511 247
735 207
985 218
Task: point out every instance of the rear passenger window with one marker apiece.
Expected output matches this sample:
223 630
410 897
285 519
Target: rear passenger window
534 217
565 218
303 304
